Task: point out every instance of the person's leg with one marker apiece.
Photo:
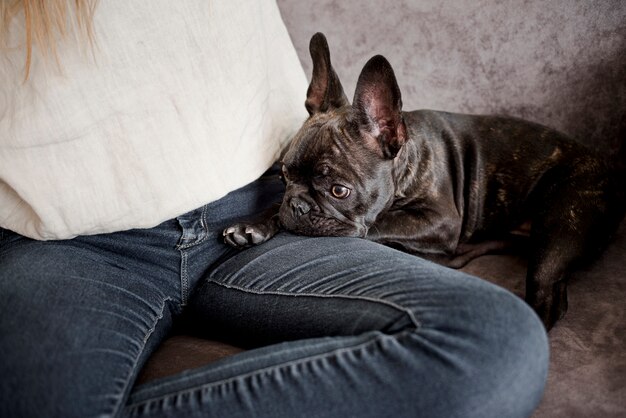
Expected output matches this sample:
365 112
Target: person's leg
78 317
370 331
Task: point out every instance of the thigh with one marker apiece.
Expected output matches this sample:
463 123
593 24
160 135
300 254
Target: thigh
77 318
296 287
357 329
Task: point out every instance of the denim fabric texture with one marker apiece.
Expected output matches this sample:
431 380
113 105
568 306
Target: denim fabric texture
336 327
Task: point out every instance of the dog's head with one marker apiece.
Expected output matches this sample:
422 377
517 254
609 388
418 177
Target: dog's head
338 167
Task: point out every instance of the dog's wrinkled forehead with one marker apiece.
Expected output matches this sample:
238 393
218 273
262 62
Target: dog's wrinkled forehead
323 136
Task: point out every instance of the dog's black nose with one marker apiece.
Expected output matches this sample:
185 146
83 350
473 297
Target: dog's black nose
299 207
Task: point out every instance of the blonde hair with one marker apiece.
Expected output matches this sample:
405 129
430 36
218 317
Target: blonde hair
46 22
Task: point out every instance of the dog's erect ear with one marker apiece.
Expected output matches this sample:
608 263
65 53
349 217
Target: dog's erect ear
378 104
325 91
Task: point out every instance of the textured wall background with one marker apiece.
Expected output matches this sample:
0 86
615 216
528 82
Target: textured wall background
558 62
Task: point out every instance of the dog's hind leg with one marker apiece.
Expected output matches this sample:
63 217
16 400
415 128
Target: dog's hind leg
572 225
546 281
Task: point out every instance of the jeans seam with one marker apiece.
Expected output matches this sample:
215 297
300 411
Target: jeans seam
332 353
120 405
184 277
184 274
416 323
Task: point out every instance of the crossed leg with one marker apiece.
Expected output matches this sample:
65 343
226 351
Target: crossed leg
346 327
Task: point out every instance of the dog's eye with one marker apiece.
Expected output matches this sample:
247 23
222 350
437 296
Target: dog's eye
339 191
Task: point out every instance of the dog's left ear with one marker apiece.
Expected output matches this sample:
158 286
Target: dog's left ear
378 104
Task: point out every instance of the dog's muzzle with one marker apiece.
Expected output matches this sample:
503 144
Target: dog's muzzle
299 207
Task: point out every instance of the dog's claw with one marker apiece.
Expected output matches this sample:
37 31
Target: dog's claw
239 236
246 235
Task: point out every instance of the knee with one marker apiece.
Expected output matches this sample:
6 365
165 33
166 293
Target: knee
521 351
518 341
501 349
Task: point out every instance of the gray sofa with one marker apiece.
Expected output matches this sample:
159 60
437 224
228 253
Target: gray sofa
561 63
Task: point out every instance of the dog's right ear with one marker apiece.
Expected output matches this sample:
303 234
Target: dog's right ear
325 91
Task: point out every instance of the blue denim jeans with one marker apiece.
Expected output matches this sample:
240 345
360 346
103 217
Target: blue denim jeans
337 327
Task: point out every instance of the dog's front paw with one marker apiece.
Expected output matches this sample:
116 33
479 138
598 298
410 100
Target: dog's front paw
243 235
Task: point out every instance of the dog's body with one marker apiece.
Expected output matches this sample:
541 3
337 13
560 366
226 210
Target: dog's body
446 186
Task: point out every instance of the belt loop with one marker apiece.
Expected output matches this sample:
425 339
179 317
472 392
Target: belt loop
194 228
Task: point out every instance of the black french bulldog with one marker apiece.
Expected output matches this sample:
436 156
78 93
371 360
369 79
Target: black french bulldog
445 186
